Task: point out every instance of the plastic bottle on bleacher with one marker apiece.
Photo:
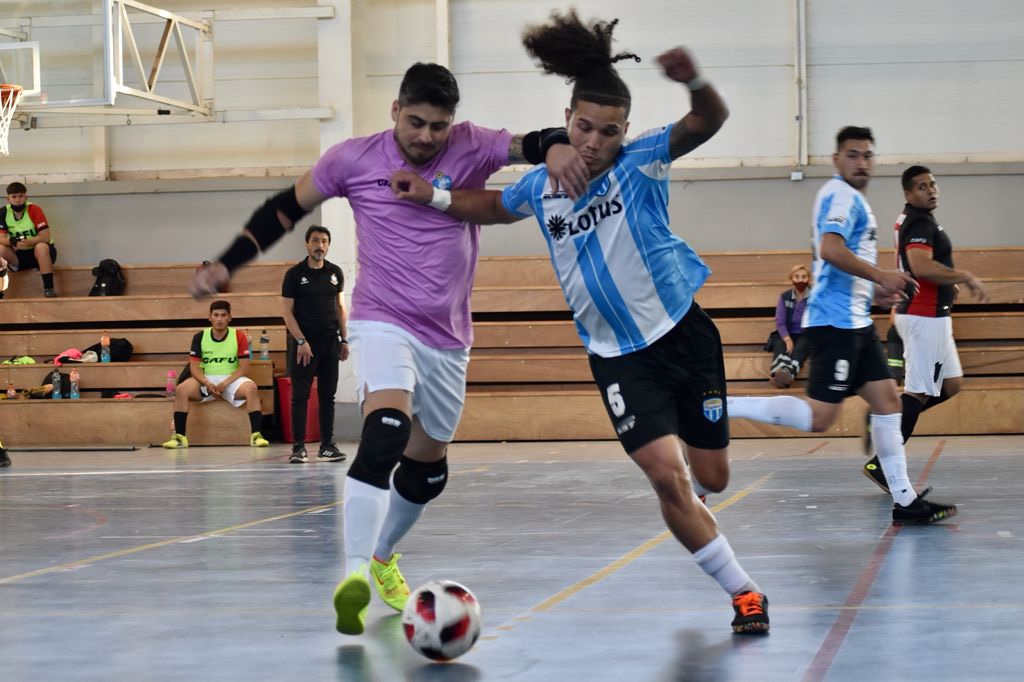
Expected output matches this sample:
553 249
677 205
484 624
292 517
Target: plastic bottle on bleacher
55 380
12 392
264 345
170 383
74 394
104 348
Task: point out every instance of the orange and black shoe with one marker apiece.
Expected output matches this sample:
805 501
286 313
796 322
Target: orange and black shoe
921 512
751 614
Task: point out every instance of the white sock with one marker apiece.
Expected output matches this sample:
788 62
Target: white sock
718 560
888 438
781 410
698 489
401 517
362 512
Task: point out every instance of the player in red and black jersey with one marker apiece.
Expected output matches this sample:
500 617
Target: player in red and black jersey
924 250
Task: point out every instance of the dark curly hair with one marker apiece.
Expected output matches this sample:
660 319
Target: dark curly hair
566 47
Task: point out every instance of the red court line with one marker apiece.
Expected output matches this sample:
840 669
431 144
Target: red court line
822 660
817 447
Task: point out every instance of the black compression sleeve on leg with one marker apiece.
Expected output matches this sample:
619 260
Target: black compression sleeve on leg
241 251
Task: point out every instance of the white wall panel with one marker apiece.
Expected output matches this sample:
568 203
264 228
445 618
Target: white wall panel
937 80
749 56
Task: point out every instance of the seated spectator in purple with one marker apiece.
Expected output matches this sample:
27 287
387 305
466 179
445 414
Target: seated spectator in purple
786 343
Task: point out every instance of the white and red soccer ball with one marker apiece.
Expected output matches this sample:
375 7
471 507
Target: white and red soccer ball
442 620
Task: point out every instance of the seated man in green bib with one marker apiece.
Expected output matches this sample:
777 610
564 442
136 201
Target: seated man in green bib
218 367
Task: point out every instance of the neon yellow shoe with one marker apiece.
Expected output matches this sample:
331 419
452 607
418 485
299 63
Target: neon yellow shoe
390 584
351 601
176 441
257 440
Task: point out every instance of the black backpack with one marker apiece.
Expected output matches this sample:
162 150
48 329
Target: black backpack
120 350
109 279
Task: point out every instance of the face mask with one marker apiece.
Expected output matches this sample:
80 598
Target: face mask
18 208
800 286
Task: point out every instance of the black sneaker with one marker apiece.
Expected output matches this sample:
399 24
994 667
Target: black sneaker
49 293
330 453
5 459
299 455
873 470
751 614
921 512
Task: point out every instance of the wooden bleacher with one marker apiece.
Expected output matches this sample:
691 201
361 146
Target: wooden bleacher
159 318
529 378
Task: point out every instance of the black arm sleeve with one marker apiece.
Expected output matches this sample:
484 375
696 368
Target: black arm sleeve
537 143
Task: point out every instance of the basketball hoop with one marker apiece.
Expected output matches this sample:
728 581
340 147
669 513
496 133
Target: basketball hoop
10 95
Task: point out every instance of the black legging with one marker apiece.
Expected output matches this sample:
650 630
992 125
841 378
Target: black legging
324 366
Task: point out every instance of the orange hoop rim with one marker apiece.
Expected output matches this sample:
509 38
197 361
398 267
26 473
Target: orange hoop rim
8 89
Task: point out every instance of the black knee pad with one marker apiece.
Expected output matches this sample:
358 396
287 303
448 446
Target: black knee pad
385 435
420 482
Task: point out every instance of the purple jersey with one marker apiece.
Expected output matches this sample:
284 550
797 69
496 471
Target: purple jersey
415 264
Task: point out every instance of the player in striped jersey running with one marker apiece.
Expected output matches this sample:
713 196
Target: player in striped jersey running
846 355
655 355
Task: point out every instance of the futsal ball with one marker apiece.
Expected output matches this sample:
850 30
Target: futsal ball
442 620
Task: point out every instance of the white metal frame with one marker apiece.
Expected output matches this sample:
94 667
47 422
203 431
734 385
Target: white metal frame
118 34
28 89
154 108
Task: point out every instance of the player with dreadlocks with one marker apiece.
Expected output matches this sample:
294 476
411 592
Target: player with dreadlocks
655 355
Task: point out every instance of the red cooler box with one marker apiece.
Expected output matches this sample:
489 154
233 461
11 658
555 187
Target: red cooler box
284 395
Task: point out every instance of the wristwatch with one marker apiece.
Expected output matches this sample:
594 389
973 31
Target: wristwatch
300 342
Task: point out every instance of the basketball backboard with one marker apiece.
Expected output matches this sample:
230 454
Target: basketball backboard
105 56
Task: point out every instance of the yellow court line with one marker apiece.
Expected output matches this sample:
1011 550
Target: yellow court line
163 543
631 556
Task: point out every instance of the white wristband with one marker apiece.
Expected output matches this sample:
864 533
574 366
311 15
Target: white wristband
696 83
442 199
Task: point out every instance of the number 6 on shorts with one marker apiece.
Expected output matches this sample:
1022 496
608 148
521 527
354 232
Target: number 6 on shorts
615 400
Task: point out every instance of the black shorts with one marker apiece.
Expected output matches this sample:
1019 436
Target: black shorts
27 258
675 386
843 360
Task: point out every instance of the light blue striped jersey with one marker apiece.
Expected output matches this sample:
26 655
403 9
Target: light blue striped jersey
839 299
627 278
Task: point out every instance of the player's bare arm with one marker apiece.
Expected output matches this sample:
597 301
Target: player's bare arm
834 250
478 206
925 267
566 168
268 224
707 108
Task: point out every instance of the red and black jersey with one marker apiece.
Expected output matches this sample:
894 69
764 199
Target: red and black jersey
917 229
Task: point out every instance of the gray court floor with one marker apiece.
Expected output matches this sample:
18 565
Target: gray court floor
219 564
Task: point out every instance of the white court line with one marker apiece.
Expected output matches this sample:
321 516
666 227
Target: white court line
129 472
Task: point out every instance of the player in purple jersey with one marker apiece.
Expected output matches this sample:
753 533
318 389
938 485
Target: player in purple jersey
409 324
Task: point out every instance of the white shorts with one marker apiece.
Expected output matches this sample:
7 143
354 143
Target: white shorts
228 393
929 353
385 356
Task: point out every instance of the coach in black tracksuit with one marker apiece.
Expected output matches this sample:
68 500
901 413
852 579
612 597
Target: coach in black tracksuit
314 311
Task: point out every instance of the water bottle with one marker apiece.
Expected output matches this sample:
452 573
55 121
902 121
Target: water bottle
264 345
55 380
12 392
104 348
170 383
74 395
